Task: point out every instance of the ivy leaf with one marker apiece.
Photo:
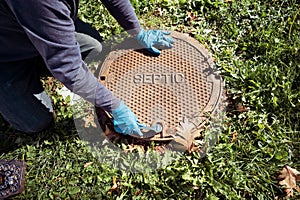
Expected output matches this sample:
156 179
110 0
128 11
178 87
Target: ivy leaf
185 136
288 177
74 190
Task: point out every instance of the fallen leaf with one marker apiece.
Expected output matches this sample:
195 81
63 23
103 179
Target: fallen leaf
288 177
241 108
138 192
234 137
111 135
192 16
89 121
130 148
194 148
115 186
87 164
185 136
160 149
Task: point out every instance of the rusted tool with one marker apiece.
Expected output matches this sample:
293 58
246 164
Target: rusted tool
156 132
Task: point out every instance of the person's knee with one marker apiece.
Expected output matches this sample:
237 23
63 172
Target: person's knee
83 27
90 48
93 55
96 48
33 126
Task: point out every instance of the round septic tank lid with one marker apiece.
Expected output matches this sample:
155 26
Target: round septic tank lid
179 84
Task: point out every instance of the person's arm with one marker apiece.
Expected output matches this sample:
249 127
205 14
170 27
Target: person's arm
123 12
49 26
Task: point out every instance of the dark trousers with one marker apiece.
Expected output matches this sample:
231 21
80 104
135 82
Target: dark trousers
23 101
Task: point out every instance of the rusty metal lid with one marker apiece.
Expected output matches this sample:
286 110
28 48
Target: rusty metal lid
180 83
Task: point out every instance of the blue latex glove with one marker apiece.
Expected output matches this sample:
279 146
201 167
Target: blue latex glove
125 121
149 39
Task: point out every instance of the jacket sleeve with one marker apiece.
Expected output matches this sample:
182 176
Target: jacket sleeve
49 26
123 12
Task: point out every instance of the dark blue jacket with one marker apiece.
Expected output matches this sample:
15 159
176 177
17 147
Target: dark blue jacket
29 28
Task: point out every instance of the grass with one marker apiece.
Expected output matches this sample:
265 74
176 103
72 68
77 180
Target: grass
256 49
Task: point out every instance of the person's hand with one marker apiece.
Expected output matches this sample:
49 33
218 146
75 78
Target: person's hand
154 38
125 122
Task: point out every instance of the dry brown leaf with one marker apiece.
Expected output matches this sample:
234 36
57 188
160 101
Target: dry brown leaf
192 16
288 177
111 135
184 141
160 149
130 148
234 137
185 136
115 186
87 164
138 192
241 108
197 133
89 121
194 148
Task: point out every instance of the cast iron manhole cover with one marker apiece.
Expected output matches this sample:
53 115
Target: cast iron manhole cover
180 83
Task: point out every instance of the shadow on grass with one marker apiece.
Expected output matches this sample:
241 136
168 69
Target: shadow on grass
12 139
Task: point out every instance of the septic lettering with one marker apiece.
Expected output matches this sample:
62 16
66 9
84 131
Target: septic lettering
165 78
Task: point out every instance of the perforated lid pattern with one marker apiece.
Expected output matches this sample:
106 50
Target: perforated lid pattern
167 87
